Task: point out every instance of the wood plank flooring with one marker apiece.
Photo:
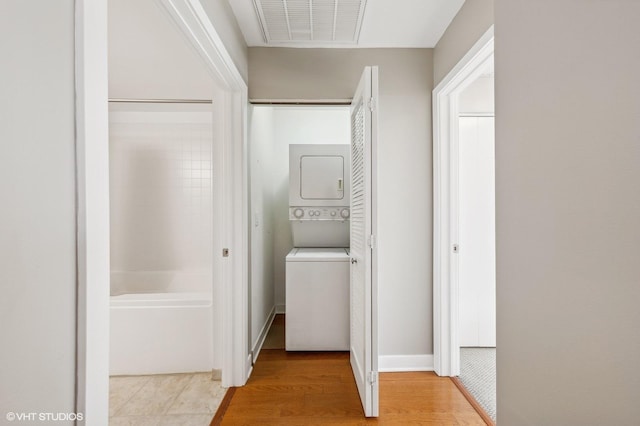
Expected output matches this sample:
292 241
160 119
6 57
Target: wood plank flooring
317 388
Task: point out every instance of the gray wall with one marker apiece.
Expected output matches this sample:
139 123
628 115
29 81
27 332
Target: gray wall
568 209
404 168
474 19
37 218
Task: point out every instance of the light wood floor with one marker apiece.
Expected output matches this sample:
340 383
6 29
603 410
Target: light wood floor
310 388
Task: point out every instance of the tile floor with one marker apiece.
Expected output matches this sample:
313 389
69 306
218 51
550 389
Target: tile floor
167 399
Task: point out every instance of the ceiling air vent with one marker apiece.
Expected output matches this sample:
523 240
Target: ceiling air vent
310 21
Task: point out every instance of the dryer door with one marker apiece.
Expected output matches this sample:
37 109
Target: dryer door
322 177
319 175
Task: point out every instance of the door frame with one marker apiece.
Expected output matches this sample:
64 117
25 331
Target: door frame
92 187
231 230
445 203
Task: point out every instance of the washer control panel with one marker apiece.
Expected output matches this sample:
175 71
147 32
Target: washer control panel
319 213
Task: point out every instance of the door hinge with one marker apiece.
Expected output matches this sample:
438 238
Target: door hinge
372 241
225 252
372 104
456 248
373 377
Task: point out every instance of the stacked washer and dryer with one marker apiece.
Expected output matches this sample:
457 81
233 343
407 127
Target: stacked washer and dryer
317 269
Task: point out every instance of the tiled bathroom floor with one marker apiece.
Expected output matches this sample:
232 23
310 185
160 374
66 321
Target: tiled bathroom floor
171 399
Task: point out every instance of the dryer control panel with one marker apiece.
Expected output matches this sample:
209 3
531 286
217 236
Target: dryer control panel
319 213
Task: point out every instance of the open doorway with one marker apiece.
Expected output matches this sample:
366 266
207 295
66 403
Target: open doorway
464 226
476 249
228 115
273 129
304 160
164 347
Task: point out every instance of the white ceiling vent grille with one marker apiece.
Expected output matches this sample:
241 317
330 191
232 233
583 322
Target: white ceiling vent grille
310 21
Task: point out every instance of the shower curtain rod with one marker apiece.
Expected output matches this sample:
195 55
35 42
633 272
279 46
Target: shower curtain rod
162 101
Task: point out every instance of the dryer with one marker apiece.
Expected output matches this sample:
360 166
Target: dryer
319 194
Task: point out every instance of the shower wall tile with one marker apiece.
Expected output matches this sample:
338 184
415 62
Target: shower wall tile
161 191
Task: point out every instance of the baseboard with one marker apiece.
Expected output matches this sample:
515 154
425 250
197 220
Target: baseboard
263 335
397 363
281 309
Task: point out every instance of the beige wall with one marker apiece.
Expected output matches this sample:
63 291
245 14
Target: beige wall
404 168
568 203
474 19
149 57
37 218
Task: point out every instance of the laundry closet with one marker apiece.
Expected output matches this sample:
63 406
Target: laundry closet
299 168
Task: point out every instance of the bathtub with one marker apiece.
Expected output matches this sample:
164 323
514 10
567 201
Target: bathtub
159 332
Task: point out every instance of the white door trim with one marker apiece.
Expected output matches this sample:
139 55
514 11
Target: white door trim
92 212
92 164
445 202
231 160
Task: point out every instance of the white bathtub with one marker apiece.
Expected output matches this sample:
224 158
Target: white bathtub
157 333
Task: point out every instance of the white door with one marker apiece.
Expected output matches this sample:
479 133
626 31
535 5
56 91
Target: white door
477 234
364 298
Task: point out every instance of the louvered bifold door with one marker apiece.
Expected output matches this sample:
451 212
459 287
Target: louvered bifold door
364 342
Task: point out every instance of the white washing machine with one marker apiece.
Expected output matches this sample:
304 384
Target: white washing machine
317 289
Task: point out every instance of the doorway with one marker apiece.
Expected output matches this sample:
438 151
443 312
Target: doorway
448 221
464 211
476 241
355 129
93 202
273 128
446 205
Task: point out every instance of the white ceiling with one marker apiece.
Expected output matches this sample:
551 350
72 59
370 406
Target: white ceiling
386 23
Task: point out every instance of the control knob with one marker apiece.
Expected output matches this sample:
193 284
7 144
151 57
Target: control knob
298 213
344 213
